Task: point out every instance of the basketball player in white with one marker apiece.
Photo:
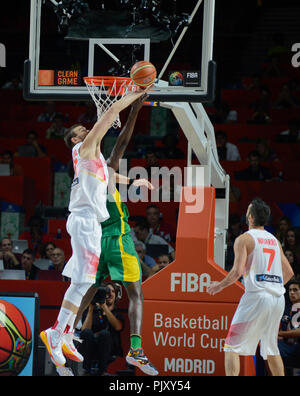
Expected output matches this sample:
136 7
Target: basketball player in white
88 210
261 261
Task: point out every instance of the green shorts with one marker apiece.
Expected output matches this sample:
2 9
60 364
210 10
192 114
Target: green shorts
118 259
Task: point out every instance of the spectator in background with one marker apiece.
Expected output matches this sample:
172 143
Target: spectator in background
261 108
291 242
32 148
148 263
259 117
283 225
255 171
234 230
157 225
234 193
142 233
285 99
47 250
10 260
289 334
293 260
35 237
226 151
58 261
27 264
57 129
223 114
49 114
265 152
170 149
90 115
262 103
292 134
163 261
151 160
8 158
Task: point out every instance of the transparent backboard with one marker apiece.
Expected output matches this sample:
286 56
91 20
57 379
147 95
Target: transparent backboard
72 39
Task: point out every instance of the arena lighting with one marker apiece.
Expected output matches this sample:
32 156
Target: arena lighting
130 18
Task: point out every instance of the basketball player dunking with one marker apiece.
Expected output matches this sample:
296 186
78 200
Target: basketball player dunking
88 210
118 257
260 259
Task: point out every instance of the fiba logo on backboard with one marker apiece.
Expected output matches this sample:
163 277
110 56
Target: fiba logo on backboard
296 57
2 55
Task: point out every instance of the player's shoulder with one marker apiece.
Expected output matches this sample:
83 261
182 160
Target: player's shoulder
244 239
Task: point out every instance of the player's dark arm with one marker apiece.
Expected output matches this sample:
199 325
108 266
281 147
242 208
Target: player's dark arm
125 135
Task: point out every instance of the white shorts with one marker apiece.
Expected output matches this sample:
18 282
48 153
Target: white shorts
85 235
256 319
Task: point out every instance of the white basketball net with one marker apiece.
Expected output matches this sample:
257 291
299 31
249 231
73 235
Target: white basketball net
104 97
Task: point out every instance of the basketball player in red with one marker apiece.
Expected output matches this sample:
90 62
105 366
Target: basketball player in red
265 269
88 210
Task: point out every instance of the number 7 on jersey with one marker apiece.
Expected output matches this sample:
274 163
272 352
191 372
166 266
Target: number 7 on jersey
271 252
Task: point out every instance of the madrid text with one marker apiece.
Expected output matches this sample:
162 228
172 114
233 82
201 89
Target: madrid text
201 337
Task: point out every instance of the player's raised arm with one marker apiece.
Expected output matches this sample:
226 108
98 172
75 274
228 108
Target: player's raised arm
126 133
105 121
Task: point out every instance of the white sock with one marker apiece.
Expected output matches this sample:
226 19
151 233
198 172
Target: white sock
70 325
62 320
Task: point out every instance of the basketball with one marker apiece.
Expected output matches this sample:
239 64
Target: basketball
15 340
143 74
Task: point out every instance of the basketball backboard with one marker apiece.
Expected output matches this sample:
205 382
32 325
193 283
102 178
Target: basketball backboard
73 39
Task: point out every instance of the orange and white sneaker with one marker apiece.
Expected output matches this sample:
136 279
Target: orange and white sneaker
69 348
52 340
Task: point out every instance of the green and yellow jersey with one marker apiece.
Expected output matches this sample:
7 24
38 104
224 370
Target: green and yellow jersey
117 223
118 258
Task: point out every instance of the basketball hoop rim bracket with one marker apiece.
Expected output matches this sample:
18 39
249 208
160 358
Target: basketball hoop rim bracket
191 97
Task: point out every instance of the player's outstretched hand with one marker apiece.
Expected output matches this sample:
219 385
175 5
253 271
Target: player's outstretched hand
214 288
143 183
144 89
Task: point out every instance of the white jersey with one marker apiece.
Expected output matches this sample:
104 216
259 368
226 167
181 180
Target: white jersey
263 270
89 187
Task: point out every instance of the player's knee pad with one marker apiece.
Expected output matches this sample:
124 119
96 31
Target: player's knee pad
75 292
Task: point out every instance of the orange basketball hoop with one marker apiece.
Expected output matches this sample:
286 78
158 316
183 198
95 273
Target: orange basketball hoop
105 90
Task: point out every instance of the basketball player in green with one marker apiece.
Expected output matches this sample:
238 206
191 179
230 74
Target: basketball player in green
118 255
